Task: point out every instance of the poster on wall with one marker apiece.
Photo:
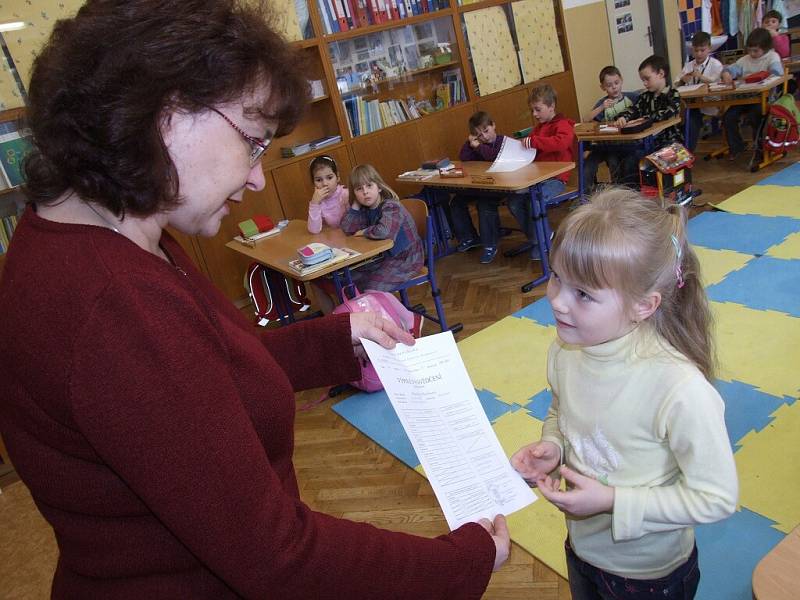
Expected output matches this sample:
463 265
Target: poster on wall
624 23
621 4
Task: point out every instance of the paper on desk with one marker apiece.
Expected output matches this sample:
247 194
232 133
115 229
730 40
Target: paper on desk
513 155
431 392
682 89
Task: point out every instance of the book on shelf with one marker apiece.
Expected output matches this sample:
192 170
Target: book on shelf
339 255
344 15
13 150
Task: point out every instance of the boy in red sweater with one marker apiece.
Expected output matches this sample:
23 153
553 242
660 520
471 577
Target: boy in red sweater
554 140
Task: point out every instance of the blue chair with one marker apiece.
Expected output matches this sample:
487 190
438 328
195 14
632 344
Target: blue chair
427 274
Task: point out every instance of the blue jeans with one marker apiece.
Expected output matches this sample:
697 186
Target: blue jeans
488 219
587 582
695 125
520 205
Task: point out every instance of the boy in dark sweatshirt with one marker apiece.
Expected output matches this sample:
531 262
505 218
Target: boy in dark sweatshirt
484 144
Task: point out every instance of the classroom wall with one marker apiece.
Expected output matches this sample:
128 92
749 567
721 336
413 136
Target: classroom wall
589 41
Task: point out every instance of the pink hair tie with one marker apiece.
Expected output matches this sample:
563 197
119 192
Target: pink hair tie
678 267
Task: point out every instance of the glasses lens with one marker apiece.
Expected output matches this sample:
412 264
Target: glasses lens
256 153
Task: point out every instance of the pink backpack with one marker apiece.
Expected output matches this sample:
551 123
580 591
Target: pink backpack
392 309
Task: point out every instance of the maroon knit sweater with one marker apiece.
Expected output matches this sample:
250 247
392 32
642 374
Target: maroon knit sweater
154 429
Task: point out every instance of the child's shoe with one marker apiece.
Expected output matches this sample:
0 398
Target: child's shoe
488 254
416 328
468 245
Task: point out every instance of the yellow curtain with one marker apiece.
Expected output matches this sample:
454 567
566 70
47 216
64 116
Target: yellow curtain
493 55
539 47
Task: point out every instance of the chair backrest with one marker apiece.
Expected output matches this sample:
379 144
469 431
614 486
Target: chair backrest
419 212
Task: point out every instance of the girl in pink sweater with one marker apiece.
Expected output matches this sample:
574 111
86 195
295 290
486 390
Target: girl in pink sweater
329 202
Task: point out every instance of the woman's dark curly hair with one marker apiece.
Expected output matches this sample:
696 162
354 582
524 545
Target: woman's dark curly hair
102 84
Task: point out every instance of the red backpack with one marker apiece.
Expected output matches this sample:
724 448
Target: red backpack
780 130
266 287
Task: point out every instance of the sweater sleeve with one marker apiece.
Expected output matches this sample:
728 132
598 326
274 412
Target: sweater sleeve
775 65
314 217
550 430
388 224
300 345
704 489
780 43
353 221
736 69
672 107
467 152
192 456
635 111
561 140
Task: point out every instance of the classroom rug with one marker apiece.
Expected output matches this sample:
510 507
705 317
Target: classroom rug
750 255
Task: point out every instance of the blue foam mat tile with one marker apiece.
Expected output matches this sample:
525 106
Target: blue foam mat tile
789 176
765 283
749 234
493 407
729 550
746 408
540 404
539 311
374 416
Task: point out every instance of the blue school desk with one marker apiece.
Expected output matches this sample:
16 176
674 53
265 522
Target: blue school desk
590 133
437 189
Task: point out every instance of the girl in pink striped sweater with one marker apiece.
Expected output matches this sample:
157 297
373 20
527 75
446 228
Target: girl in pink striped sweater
329 202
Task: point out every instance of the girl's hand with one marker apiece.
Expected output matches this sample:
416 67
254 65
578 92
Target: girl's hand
620 122
584 496
726 77
319 194
536 460
502 541
372 326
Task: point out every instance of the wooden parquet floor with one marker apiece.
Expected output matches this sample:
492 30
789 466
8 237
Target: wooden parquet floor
343 473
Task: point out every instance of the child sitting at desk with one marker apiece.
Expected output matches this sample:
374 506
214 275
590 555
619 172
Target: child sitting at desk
703 68
329 201
659 102
780 41
376 213
483 144
606 108
760 57
554 140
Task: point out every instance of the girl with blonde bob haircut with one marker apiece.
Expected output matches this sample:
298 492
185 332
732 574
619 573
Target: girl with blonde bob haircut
376 212
635 421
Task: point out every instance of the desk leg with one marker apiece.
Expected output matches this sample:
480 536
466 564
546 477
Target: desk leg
581 191
539 214
686 125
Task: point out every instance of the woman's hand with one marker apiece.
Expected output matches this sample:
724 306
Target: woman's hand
502 540
374 327
584 496
536 460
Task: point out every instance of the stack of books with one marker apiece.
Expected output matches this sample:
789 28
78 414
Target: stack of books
300 149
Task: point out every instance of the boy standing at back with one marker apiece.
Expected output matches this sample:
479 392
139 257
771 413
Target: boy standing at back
607 108
554 140
484 144
659 102
703 68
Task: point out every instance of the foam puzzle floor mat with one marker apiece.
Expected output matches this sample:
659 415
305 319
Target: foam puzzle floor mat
750 258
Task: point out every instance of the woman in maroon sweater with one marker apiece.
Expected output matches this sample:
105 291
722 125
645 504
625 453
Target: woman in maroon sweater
152 426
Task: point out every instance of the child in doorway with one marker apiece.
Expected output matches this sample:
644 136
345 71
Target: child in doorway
659 102
780 41
376 213
606 108
635 421
703 68
553 137
760 57
329 202
484 144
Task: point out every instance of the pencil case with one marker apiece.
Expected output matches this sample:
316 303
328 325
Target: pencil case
636 125
756 77
314 253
